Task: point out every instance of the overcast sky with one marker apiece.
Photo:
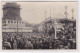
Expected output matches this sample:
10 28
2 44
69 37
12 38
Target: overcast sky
34 12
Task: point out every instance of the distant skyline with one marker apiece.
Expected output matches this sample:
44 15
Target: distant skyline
34 12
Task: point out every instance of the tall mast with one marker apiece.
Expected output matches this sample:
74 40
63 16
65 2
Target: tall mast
72 13
66 11
53 14
45 23
45 14
50 11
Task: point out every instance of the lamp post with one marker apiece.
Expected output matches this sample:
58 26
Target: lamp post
17 25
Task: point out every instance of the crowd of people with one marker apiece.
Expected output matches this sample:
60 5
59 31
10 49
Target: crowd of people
66 39
36 41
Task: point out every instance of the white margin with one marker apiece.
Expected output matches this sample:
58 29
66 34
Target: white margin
43 51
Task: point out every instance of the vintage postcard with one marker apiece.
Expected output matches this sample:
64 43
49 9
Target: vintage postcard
39 25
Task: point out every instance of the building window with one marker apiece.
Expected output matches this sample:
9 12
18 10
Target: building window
4 21
8 21
11 21
14 21
20 22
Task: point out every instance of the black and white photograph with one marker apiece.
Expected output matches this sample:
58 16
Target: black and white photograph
39 25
